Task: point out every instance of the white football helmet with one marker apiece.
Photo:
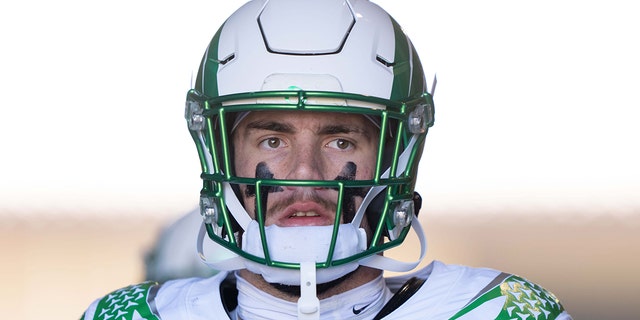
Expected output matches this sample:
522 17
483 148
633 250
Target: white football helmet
345 56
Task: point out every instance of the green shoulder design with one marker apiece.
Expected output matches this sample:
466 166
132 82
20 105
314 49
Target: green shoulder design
135 302
523 300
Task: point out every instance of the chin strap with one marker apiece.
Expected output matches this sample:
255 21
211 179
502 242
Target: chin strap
226 260
308 304
386 263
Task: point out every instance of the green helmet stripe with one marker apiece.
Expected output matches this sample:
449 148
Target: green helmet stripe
207 79
406 82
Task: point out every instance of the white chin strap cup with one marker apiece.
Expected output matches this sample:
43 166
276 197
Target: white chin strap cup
303 244
226 260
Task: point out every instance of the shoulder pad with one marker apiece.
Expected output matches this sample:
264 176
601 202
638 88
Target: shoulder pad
134 302
522 299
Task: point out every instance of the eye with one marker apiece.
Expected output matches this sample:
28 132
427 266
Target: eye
271 143
341 144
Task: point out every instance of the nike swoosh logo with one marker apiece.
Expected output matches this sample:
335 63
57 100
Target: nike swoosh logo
357 311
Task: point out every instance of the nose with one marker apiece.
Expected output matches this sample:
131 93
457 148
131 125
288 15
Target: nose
306 163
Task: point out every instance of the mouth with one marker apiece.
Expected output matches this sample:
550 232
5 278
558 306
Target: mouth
305 214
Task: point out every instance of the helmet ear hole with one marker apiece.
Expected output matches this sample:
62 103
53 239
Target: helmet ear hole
374 211
417 202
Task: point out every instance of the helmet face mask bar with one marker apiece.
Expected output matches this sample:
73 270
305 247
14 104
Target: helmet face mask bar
403 127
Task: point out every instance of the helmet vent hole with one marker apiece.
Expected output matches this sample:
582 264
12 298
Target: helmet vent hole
385 62
227 59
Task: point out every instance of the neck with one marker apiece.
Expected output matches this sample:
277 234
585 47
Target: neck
362 300
352 280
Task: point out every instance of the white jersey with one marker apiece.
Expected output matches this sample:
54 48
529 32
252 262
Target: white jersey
448 292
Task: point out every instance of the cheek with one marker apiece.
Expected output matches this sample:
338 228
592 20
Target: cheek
243 168
366 162
366 169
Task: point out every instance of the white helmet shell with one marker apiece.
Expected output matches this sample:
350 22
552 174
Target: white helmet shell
351 41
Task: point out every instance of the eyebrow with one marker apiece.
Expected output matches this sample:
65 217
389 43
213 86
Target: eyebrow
270 126
333 129
284 127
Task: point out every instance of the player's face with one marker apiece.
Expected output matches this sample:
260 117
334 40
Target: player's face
297 145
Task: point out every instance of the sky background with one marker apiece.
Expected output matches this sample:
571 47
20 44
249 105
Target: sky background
536 105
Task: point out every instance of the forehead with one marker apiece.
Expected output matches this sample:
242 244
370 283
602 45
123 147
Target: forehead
308 119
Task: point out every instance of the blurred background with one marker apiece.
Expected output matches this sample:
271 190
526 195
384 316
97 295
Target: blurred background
531 167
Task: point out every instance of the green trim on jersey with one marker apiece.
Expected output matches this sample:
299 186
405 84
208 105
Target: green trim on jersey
130 303
524 299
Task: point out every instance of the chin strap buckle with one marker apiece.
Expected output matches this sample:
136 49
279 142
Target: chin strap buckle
308 304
